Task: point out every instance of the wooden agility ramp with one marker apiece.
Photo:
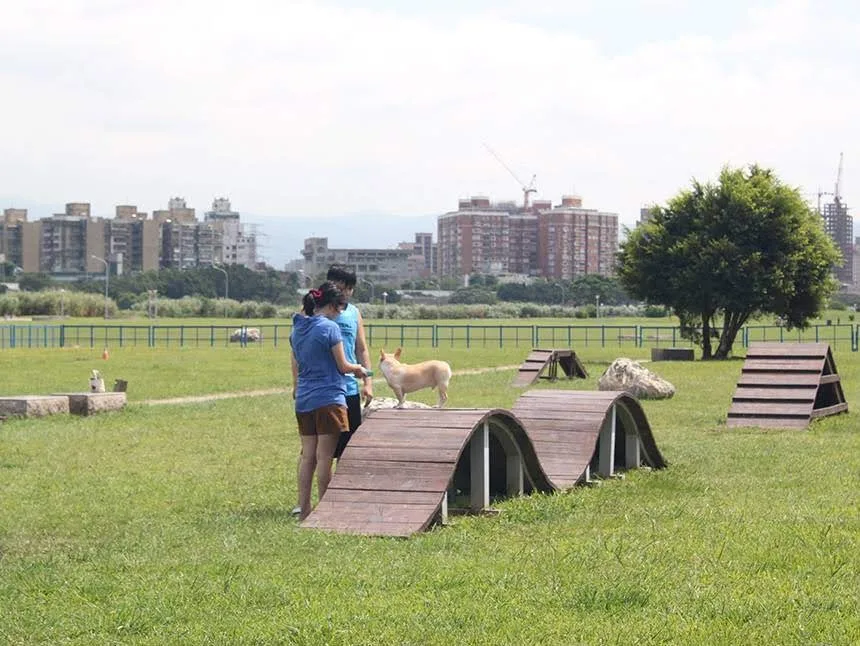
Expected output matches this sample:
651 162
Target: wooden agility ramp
402 467
786 385
544 364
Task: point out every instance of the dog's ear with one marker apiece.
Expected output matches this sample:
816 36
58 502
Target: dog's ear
382 354
397 353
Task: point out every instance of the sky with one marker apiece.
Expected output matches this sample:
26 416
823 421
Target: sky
320 109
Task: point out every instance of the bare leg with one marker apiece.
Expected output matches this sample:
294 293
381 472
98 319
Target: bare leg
298 475
307 464
326 446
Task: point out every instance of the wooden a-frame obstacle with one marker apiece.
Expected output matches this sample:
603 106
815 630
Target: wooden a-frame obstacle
544 364
786 385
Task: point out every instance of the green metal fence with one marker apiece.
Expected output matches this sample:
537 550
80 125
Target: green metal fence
18 335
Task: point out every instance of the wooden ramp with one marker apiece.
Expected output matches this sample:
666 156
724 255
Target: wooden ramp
580 433
786 385
402 467
548 361
393 478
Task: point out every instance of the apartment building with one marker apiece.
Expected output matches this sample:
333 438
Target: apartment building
840 227
377 265
565 241
69 243
238 240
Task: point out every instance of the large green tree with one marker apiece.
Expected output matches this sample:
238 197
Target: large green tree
719 254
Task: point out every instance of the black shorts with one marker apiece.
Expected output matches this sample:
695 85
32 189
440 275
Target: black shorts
353 412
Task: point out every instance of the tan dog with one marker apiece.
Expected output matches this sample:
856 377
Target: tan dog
404 378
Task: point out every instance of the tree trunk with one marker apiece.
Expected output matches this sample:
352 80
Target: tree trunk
732 323
706 336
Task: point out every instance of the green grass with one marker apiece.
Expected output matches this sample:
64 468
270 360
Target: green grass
171 525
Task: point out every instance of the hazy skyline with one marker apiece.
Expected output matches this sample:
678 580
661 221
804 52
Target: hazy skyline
296 109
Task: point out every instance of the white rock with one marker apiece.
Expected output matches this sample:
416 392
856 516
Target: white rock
629 376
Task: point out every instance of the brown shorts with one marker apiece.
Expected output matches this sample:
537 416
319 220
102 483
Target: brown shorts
327 420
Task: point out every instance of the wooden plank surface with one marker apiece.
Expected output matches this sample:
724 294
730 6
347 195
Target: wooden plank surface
782 394
776 410
781 364
766 422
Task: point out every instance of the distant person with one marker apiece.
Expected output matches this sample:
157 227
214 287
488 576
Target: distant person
319 389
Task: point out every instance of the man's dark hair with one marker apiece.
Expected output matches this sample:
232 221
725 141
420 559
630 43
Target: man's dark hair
341 274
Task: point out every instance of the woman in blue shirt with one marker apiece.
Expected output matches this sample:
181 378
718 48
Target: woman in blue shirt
319 363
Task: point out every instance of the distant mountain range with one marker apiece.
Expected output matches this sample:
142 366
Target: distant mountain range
280 240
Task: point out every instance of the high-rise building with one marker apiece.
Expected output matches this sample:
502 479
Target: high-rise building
238 241
565 241
840 227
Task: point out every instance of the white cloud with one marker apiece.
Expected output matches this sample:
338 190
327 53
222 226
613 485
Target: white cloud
303 108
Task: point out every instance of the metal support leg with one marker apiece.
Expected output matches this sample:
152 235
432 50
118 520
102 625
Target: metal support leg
606 457
479 457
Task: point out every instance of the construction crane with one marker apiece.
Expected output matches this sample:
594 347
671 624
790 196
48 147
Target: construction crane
526 188
819 193
837 192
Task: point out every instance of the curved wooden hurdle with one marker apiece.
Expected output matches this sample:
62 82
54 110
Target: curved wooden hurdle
394 476
401 468
786 385
541 361
577 433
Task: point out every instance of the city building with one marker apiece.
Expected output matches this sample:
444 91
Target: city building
840 227
19 240
644 215
238 241
565 241
376 265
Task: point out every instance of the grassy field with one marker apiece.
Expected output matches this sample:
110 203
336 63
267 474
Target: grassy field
170 524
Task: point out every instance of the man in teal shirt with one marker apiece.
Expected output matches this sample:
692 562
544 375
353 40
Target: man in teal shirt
356 350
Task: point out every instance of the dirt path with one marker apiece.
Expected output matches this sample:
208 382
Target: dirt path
196 399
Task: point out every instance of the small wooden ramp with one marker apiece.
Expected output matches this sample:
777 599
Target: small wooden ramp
548 361
580 433
395 476
786 385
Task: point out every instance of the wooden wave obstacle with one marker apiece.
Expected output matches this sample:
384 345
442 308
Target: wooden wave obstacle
404 468
544 364
786 385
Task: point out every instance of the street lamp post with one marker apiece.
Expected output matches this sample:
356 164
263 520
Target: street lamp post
597 305
226 286
384 302
62 303
107 279
561 285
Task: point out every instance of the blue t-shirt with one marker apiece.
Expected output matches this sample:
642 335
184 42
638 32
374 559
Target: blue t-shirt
320 382
347 321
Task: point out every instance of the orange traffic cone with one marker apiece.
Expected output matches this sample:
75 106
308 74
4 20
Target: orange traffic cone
106 354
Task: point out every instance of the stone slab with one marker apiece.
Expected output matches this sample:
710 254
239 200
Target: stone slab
33 405
91 403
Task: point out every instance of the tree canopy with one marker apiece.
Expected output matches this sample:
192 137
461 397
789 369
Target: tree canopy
719 254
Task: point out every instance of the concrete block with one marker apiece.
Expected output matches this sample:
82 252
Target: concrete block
92 403
673 354
33 405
